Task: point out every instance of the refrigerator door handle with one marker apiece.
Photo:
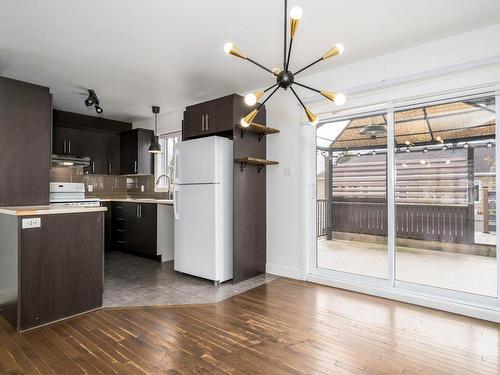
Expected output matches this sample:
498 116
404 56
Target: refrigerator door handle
176 204
176 166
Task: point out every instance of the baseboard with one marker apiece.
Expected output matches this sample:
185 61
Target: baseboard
285 271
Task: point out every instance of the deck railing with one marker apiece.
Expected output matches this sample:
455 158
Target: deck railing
321 215
422 222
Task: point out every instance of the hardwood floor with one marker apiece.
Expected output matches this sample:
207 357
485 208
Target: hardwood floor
283 327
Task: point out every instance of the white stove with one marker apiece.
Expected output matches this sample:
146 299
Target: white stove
71 194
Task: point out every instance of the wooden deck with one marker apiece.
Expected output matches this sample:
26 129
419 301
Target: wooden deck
283 327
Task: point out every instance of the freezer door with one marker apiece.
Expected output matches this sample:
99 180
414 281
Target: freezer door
195 230
197 161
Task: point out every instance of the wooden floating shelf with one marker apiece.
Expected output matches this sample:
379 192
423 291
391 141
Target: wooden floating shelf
261 130
261 163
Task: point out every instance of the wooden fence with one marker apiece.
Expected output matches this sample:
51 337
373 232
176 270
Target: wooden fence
422 222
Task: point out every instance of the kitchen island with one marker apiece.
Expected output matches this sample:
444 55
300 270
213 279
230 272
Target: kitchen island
51 263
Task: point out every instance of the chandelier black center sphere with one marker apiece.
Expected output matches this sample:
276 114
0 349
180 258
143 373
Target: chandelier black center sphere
285 79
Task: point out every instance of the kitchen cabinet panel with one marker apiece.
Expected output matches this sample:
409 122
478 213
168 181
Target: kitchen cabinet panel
25 128
217 117
134 227
95 137
60 267
135 157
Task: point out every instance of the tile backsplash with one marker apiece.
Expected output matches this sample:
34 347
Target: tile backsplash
106 186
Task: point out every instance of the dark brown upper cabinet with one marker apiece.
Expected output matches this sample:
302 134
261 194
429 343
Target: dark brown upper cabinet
135 157
25 127
216 117
98 138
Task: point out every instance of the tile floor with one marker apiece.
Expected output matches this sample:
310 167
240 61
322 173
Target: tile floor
131 280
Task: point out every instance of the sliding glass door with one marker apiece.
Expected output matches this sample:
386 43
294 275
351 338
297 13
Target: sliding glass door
351 196
446 196
441 174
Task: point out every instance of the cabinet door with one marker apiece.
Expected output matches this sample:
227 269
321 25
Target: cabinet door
113 154
221 117
145 159
96 149
147 224
128 153
77 142
194 124
60 267
59 139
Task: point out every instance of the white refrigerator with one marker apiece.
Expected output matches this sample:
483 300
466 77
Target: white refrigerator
203 208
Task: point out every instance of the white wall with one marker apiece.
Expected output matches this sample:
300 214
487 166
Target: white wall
286 195
167 122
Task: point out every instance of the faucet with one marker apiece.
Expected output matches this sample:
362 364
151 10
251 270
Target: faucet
169 182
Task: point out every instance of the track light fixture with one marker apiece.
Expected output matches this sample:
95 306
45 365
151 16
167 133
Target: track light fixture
284 77
93 100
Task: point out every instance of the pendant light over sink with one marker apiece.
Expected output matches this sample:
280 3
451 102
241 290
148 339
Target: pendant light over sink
285 79
155 147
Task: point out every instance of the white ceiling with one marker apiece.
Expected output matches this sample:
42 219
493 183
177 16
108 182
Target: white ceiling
138 53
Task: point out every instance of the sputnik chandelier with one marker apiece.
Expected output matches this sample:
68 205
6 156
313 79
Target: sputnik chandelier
285 79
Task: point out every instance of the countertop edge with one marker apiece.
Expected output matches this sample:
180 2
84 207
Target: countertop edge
19 211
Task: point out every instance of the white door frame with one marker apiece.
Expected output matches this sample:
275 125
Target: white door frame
482 307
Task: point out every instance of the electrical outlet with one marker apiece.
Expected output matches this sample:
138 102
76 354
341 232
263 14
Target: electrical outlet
142 188
34 222
90 188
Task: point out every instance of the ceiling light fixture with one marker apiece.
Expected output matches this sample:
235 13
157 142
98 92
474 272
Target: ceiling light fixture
285 78
155 147
93 100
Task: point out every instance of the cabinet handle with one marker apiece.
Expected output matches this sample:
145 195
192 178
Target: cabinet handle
64 147
140 211
135 166
137 211
202 123
208 123
109 167
69 147
93 167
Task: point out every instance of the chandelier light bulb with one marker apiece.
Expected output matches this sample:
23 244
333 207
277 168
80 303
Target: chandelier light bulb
251 99
296 13
340 99
247 120
227 47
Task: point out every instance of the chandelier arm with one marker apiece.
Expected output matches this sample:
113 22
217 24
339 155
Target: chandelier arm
308 66
300 101
285 20
271 87
269 97
260 65
289 53
307 87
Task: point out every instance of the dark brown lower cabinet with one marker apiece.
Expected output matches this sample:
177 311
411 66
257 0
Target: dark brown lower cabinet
60 267
134 227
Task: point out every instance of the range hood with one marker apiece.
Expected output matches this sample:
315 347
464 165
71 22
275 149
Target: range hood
70 161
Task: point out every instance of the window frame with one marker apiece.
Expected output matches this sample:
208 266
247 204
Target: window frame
163 139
